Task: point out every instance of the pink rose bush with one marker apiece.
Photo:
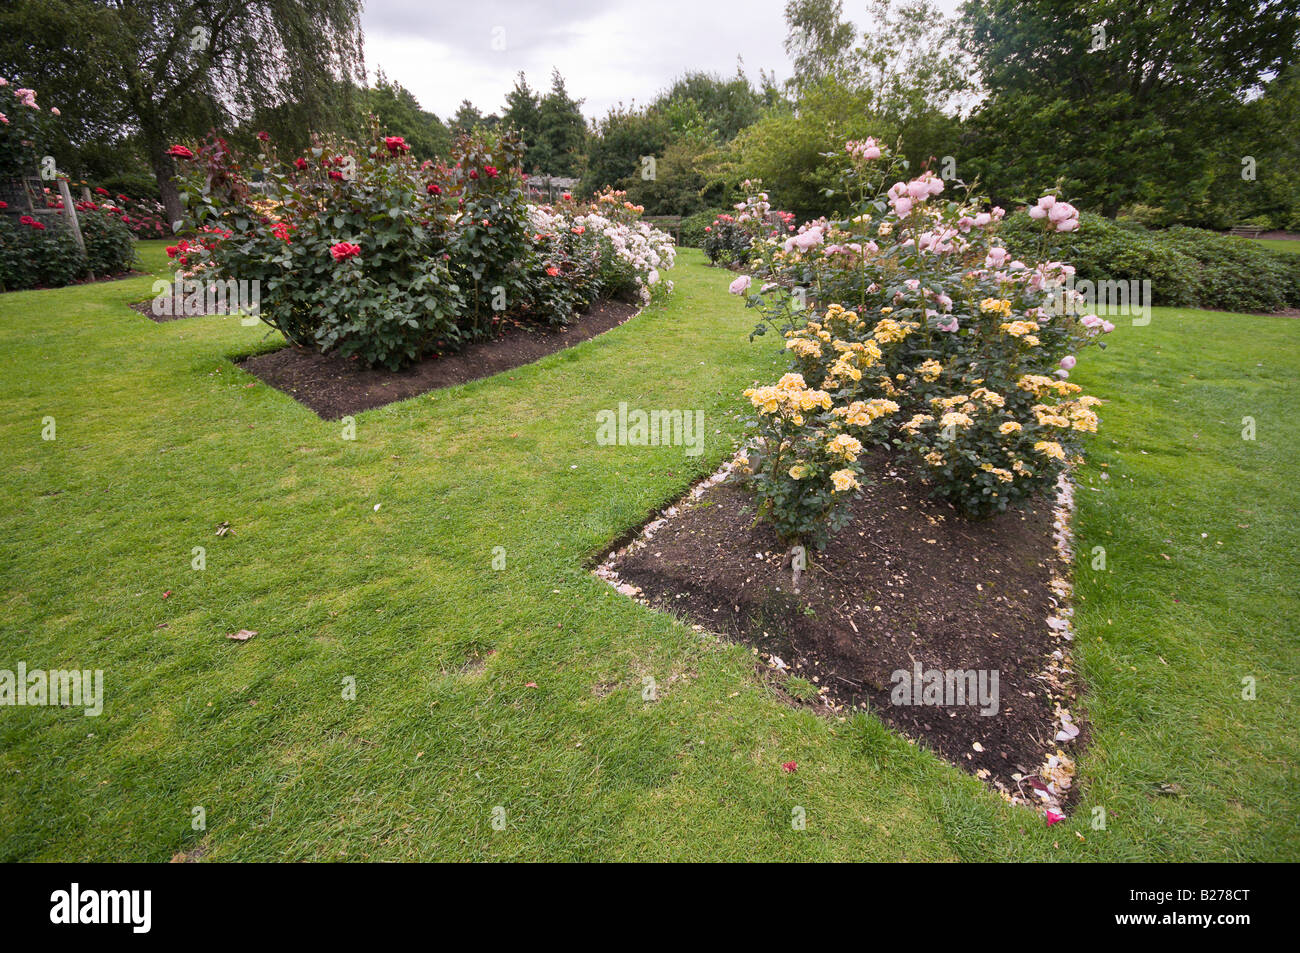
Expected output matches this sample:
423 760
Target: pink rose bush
910 326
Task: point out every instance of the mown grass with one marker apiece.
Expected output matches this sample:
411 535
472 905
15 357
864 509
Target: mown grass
160 439
1281 244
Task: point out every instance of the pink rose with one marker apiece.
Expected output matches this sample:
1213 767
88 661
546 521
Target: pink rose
740 285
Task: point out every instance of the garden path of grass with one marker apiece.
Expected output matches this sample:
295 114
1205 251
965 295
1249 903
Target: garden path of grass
160 439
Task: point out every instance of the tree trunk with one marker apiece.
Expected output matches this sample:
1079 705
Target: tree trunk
164 170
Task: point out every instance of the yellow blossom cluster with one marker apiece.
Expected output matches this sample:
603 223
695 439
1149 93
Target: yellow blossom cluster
1047 417
863 413
1003 476
1039 386
889 331
789 397
986 396
917 421
997 306
1050 448
845 446
929 370
1024 330
844 480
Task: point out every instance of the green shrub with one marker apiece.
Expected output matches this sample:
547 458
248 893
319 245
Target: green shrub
110 246
693 226
362 250
35 255
1187 267
925 334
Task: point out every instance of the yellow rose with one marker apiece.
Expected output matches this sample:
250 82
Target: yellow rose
844 480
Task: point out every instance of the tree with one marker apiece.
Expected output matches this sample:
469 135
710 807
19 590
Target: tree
819 40
619 141
523 114
1118 99
726 106
161 69
562 132
467 118
400 114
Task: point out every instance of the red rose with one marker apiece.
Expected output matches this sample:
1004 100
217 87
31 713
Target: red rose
300 163
4 204
396 144
433 188
264 136
180 152
345 250
552 271
568 197
102 192
492 171
171 251
336 175
123 198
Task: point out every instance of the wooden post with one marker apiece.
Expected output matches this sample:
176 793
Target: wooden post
71 212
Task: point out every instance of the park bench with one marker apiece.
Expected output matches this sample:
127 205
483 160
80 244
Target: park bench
1247 231
672 224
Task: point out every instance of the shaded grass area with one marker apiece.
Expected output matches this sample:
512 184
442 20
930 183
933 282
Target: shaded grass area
160 439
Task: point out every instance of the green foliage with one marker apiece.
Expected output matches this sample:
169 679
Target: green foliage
922 313
786 148
33 257
110 245
1186 266
1118 115
400 113
162 70
365 251
561 132
679 186
693 234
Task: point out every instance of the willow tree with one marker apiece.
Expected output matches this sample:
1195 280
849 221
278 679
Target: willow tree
157 70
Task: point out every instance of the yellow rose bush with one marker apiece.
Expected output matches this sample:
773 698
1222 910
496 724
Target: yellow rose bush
804 463
924 335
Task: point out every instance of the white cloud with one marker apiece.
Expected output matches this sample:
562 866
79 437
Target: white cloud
608 51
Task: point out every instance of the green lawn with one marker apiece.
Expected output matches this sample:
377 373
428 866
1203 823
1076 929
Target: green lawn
1281 244
160 439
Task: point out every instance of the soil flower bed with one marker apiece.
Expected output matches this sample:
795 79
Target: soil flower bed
891 601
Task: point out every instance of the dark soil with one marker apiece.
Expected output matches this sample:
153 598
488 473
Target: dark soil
907 581
335 387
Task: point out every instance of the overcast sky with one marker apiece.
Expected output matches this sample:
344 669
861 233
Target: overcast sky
609 51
